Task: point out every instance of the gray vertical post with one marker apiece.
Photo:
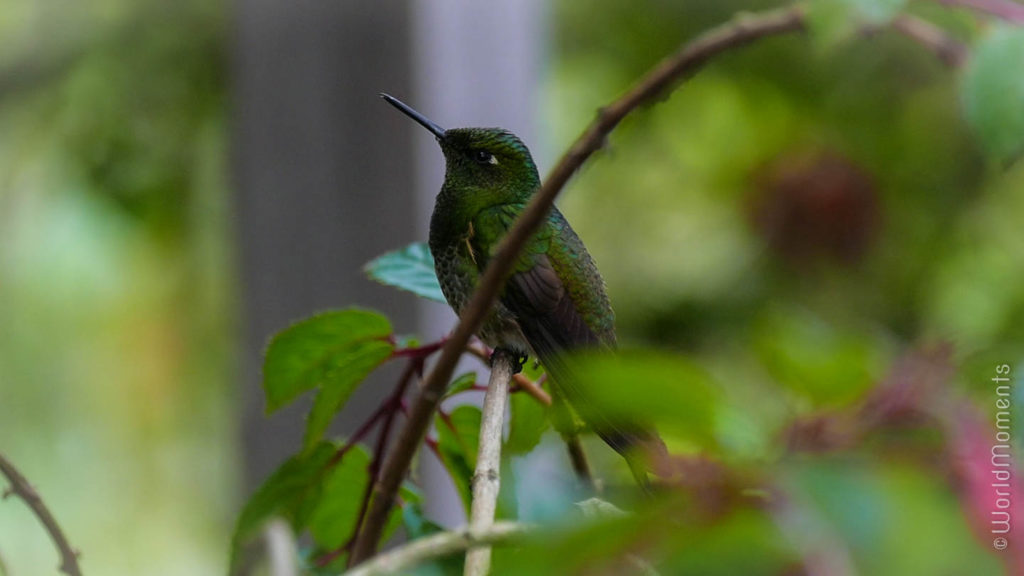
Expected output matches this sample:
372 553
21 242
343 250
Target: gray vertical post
475 64
324 183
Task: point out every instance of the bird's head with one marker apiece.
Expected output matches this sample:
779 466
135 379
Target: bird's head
489 161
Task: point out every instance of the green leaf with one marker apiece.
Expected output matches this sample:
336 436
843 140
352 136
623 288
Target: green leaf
832 22
993 92
871 504
409 495
418 526
527 422
815 359
334 518
359 360
319 351
667 391
597 508
411 268
676 540
458 447
461 384
876 11
286 493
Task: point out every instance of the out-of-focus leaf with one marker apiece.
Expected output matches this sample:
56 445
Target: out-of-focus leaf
527 422
712 551
318 351
597 508
411 268
418 526
458 447
334 517
285 493
461 384
665 537
833 22
876 11
409 495
359 360
579 548
993 91
872 506
667 391
815 359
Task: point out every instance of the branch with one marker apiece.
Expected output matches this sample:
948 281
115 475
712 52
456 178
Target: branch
946 48
524 383
439 545
688 60
388 411
279 542
1005 9
580 465
22 489
487 477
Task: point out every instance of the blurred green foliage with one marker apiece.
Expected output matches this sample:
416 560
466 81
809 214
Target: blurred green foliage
115 283
781 231
669 209
790 221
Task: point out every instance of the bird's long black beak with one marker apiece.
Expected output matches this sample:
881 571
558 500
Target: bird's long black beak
420 118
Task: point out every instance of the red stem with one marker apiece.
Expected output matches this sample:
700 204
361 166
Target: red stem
388 409
419 351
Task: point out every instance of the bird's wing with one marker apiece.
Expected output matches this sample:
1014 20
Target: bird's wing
537 292
552 321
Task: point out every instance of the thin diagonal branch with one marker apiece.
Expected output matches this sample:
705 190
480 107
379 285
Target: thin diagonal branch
951 52
21 488
487 476
739 32
438 546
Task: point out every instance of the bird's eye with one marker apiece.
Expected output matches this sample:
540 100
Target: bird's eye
484 157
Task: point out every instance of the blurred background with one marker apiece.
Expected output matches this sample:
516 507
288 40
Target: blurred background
180 180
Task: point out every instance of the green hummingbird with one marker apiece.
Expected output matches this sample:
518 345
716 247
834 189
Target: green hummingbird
554 301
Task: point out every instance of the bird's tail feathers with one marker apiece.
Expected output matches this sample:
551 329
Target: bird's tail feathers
641 446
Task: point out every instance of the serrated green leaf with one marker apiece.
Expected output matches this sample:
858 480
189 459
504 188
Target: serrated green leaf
461 384
458 447
411 269
334 518
993 92
285 493
316 351
528 419
358 361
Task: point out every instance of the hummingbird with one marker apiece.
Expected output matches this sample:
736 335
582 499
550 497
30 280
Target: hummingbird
554 301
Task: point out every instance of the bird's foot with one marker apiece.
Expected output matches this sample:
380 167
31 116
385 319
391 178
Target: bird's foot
519 357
